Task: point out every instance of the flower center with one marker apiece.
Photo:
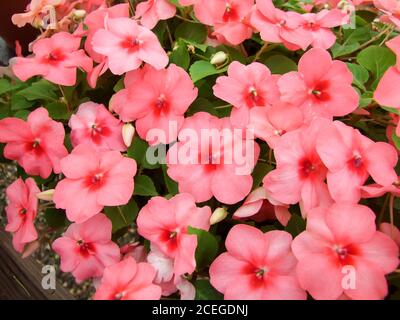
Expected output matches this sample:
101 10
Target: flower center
35 144
230 13
23 211
119 295
341 252
85 248
97 178
260 273
307 168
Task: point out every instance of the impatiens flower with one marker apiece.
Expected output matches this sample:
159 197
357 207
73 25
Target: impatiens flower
387 93
56 59
319 25
391 10
37 144
277 26
93 179
212 159
34 10
128 280
155 104
321 86
257 266
258 205
246 87
341 252
94 21
127 45
152 11
94 124
165 224
271 123
21 212
300 173
391 231
376 190
166 278
86 249
351 157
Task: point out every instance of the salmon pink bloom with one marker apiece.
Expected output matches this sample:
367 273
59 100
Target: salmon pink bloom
321 87
94 124
93 179
341 252
350 158
128 280
155 104
165 224
277 26
391 231
152 11
94 21
36 144
376 190
21 212
387 93
319 25
55 59
86 249
257 266
300 173
33 11
127 45
271 123
391 10
246 87
219 162
259 206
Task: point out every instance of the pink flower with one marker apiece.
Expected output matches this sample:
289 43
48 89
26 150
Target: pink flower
300 173
257 266
155 104
271 123
376 190
94 21
341 241
391 10
127 45
95 125
21 212
86 249
55 59
319 25
165 223
93 179
152 11
391 231
259 203
277 26
34 10
219 160
350 158
387 93
321 86
128 280
246 87
36 144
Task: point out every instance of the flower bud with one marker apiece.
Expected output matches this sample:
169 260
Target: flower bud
128 131
219 58
45 195
79 14
218 215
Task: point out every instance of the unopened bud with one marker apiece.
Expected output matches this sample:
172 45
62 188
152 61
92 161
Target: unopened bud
46 195
218 215
128 131
219 58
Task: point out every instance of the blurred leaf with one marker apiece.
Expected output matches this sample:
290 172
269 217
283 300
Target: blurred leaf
396 140
55 218
360 75
205 291
195 32
202 104
296 225
203 69
40 90
172 186
138 150
260 171
18 102
57 110
144 186
207 247
279 64
122 216
180 55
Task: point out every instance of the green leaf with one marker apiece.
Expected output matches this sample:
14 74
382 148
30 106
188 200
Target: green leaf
360 75
18 102
202 104
172 186
396 140
57 110
55 218
339 50
296 225
180 55
391 110
138 150
376 59
119 85
195 32
144 186
279 64
203 69
260 171
122 216
205 291
207 247
40 90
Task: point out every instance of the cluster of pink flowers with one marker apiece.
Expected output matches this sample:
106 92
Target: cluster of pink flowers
320 164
